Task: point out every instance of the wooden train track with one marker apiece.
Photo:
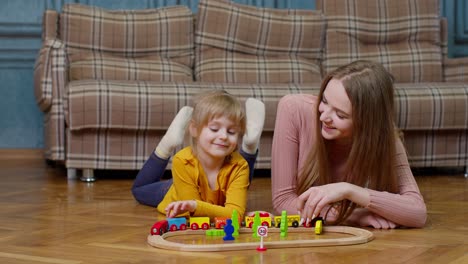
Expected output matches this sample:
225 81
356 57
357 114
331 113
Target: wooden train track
359 236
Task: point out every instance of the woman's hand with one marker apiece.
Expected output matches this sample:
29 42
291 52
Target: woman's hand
363 217
314 200
179 207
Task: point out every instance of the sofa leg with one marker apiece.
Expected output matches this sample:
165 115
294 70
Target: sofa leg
71 173
88 175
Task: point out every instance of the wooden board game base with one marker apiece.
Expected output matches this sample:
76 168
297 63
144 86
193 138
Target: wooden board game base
358 236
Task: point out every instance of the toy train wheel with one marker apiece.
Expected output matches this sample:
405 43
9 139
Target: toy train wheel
265 223
295 224
161 231
173 228
194 226
205 226
183 226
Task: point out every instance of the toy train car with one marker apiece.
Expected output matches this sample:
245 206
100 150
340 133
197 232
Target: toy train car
293 220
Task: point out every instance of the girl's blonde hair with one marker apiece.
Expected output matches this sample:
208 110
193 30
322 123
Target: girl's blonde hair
213 104
370 163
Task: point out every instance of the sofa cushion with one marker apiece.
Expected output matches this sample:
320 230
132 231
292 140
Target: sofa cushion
403 35
148 106
100 66
238 43
125 37
431 106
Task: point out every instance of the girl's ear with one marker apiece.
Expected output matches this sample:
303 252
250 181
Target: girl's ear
193 130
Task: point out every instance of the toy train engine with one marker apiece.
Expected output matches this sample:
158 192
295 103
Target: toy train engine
159 228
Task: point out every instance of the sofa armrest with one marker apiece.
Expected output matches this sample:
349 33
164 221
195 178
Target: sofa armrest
456 69
49 70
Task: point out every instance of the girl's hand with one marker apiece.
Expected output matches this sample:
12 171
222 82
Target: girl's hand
179 207
314 200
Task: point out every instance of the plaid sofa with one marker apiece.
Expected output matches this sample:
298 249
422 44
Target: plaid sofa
110 81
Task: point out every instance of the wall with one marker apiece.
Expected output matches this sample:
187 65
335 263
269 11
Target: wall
20 39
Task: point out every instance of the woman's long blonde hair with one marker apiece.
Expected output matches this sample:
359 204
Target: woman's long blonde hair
370 163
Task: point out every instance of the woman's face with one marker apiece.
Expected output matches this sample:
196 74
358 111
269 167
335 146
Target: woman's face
336 113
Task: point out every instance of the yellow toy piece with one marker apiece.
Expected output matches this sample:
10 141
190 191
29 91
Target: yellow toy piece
318 227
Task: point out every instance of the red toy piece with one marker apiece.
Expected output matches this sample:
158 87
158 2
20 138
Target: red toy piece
159 228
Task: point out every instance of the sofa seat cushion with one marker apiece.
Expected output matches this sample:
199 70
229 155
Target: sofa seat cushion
403 35
431 106
151 106
165 32
100 66
233 43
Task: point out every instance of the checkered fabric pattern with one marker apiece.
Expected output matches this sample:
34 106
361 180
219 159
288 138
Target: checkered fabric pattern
403 35
107 103
148 44
238 43
117 124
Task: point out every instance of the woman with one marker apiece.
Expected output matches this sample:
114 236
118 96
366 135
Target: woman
338 155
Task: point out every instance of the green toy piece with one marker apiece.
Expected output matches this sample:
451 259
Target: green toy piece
284 224
255 224
235 222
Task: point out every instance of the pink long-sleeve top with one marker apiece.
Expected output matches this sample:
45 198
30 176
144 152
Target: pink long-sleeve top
292 141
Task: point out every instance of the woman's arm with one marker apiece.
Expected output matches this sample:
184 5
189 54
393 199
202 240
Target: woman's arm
292 141
406 208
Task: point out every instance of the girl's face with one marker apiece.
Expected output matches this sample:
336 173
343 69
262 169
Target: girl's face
335 113
218 138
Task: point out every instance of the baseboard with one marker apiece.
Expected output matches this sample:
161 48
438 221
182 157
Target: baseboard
30 154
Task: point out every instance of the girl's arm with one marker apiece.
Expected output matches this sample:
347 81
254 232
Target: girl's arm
187 187
235 190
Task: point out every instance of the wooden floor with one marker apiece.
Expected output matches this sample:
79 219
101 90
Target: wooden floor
46 218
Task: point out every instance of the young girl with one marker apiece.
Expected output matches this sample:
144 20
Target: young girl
340 151
209 178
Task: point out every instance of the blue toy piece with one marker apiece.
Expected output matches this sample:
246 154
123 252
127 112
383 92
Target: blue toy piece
228 230
178 223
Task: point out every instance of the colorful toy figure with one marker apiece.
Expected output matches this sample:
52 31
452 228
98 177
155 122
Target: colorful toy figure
228 230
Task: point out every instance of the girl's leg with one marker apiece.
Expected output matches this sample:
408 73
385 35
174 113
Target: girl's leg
255 113
147 188
250 158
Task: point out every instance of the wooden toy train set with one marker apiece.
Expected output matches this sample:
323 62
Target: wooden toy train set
235 233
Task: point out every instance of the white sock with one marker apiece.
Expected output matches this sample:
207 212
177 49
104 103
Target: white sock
255 114
175 133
